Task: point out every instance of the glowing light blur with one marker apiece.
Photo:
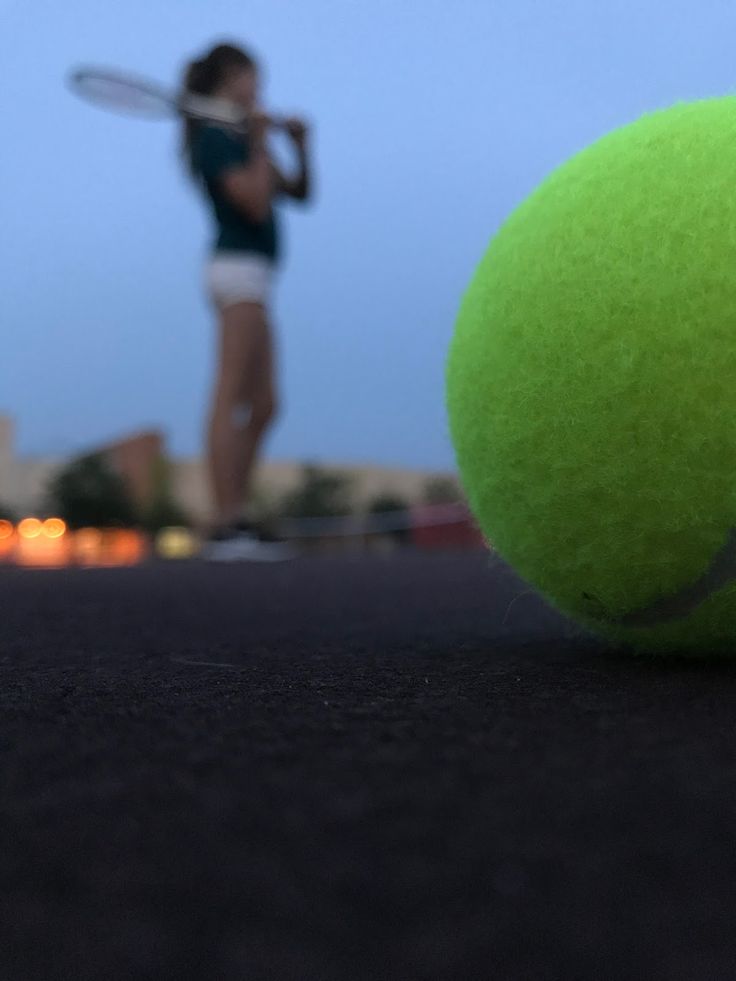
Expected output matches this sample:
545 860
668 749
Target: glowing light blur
7 541
176 543
109 547
87 546
125 547
30 528
54 528
42 544
51 544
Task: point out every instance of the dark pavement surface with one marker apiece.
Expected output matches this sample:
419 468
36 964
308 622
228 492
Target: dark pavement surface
352 768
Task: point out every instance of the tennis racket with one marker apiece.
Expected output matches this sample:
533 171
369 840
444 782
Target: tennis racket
131 95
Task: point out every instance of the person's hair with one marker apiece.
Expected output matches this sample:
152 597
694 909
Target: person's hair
206 75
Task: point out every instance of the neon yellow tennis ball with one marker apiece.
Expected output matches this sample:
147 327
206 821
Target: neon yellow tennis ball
592 384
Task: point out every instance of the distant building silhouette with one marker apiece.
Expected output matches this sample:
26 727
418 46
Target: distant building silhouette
24 479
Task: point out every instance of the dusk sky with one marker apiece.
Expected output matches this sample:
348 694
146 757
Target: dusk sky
432 121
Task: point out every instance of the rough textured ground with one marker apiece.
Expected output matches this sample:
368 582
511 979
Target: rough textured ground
347 769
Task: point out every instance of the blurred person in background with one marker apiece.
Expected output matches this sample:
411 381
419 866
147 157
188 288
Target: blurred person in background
242 183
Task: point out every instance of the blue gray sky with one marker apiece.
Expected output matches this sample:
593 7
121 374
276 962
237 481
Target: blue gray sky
433 119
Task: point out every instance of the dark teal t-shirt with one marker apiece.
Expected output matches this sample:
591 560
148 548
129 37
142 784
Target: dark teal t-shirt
215 151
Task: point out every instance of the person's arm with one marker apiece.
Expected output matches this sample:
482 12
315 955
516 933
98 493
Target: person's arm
299 185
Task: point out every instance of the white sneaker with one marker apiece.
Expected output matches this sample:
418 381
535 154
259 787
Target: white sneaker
244 546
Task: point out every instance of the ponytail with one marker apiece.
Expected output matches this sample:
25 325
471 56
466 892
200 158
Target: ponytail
205 76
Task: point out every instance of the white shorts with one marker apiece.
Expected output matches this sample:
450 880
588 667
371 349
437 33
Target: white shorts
239 277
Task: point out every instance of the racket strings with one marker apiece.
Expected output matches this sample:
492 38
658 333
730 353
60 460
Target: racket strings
122 94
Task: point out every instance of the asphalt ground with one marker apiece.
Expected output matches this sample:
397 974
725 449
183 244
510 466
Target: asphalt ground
352 768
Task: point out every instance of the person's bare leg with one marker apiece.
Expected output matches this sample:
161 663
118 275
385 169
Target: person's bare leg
258 408
241 338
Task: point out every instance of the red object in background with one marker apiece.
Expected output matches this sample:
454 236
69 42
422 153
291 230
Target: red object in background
444 526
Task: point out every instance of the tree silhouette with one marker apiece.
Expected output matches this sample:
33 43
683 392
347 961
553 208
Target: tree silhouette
163 510
320 494
88 492
441 490
389 503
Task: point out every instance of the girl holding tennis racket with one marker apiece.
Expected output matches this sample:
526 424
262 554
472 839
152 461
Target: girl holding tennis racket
241 181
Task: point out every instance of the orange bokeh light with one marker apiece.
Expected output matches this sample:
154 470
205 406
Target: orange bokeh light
42 544
124 547
50 544
87 546
109 547
54 528
30 528
7 541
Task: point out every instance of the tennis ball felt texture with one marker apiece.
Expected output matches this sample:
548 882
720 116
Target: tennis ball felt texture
591 384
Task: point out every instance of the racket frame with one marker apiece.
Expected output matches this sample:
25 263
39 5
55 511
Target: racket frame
189 104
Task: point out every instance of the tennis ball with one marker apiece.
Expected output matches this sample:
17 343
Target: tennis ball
591 384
